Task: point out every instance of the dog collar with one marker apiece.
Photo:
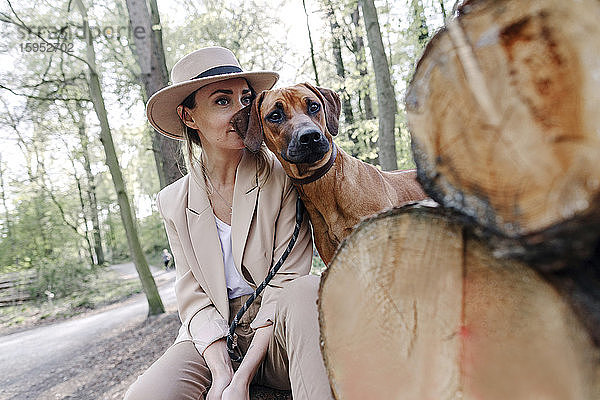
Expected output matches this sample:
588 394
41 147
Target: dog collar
321 171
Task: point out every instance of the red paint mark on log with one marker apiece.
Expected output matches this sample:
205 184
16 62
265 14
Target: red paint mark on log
464 332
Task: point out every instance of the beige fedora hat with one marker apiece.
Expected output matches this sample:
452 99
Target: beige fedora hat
196 69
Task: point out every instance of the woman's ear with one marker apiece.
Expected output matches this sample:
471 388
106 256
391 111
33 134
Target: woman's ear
185 116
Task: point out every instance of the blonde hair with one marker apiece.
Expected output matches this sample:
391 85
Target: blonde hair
192 140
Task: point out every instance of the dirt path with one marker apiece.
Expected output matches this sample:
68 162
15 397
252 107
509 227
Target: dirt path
93 356
63 360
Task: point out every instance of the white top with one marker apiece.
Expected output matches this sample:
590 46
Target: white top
236 285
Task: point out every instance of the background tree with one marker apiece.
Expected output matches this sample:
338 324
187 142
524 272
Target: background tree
78 117
155 305
148 46
386 97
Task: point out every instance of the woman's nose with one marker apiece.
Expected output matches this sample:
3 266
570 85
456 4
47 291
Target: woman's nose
240 104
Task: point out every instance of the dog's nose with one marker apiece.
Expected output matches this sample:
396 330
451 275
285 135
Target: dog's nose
309 136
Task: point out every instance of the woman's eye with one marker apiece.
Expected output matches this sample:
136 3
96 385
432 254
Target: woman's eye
247 100
275 116
223 101
314 107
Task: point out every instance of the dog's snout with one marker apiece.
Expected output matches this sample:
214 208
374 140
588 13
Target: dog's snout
307 145
309 136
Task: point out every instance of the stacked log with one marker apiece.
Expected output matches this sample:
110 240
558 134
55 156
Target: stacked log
503 111
495 293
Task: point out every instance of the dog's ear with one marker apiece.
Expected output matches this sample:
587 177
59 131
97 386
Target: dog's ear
248 124
332 104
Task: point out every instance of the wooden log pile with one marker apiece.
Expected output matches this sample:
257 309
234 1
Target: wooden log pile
495 292
15 288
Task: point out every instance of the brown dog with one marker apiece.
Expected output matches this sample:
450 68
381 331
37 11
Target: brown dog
298 123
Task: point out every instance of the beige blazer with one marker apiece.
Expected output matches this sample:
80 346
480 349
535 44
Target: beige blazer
262 224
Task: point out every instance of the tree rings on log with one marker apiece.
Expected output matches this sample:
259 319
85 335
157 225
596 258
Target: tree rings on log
503 112
413 306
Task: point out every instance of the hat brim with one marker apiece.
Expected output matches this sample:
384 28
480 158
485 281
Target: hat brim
161 108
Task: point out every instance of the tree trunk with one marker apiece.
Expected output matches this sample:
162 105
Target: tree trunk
341 73
386 100
91 191
419 23
434 315
339 64
504 124
7 226
443 8
111 241
155 305
361 64
312 48
154 76
86 231
7 222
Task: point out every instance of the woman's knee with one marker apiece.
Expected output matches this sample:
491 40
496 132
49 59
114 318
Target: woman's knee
301 293
180 373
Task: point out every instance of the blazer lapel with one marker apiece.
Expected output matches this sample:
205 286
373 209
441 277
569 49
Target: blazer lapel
245 198
205 242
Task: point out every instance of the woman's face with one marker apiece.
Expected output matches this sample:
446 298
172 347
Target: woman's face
216 103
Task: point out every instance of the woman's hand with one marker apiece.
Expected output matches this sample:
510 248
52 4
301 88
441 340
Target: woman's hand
237 390
221 370
239 387
217 388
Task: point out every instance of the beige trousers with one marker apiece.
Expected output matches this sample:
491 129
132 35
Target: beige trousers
293 360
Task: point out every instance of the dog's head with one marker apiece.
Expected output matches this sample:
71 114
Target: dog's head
296 123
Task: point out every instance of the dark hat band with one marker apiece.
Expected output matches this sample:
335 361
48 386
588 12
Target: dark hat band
221 70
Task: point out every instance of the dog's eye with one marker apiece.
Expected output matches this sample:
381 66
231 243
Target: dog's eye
275 116
314 107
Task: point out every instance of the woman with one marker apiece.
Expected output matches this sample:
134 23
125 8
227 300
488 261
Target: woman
228 221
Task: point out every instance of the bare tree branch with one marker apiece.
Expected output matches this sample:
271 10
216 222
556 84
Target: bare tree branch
29 30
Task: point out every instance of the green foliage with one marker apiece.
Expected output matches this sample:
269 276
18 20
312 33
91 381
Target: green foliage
99 289
37 233
242 27
359 139
60 277
318 266
152 234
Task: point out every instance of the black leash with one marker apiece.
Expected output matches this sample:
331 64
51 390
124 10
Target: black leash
272 272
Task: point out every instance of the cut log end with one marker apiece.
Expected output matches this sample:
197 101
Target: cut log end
536 166
432 314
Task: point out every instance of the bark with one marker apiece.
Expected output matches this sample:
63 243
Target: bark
7 218
361 64
7 227
155 305
339 64
386 100
341 72
504 132
312 48
86 232
111 241
436 315
91 189
154 76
